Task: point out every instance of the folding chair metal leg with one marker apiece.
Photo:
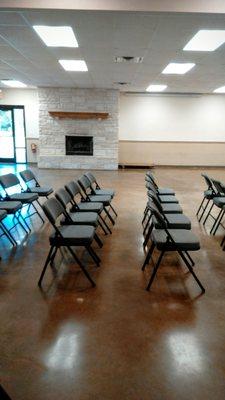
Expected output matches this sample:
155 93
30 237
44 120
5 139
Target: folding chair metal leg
218 221
145 215
53 255
222 242
8 234
113 209
82 267
189 258
109 216
102 226
148 256
202 202
42 219
148 234
24 221
93 255
46 264
192 272
155 269
20 223
204 210
102 219
208 214
147 224
98 240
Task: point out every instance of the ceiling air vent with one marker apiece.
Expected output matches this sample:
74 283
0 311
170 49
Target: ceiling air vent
121 83
128 59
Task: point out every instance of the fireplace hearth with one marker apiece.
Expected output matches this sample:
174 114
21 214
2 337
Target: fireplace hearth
79 145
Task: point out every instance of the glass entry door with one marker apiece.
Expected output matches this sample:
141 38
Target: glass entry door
7 146
12 134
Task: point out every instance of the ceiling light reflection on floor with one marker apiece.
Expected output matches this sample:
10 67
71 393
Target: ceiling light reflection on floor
186 353
63 354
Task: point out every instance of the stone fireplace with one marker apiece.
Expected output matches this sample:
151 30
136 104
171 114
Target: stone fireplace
54 152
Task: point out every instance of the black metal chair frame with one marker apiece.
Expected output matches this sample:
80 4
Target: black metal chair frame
206 200
5 231
36 183
217 220
163 251
85 185
16 220
24 204
68 220
54 248
75 205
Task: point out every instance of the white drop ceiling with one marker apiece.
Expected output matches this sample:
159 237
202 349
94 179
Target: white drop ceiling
157 37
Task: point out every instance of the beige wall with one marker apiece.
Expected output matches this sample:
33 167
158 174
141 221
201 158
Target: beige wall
171 153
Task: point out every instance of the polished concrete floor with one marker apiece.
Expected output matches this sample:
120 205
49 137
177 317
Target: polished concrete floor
116 341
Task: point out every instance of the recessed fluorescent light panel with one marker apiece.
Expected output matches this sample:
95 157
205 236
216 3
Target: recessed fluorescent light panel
156 88
220 90
56 36
206 40
178 68
74 65
13 84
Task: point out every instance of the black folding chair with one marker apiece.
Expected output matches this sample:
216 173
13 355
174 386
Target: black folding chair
5 232
164 239
96 188
219 201
33 185
67 236
10 181
13 208
83 206
149 177
208 195
105 200
76 217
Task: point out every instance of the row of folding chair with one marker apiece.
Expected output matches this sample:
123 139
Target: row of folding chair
75 213
166 228
213 199
15 198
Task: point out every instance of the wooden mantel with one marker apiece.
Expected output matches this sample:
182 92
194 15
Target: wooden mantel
78 115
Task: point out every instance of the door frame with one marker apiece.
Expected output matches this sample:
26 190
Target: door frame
12 107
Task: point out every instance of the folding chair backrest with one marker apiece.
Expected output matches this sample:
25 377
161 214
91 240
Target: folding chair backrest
9 181
53 210
73 189
150 186
84 183
155 200
91 177
27 176
208 181
159 218
217 184
63 197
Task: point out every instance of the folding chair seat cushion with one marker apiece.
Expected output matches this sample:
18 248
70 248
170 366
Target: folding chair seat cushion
101 199
168 199
184 240
88 206
10 206
219 201
24 197
87 218
170 208
175 221
41 190
165 191
3 213
73 235
105 192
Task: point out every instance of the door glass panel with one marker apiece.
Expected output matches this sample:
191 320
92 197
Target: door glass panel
20 155
6 135
19 127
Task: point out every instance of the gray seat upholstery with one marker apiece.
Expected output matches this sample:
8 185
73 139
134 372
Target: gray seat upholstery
24 197
219 201
73 235
41 190
30 179
171 209
165 191
105 200
175 221
10 206
84 218
168 199
95 187
89 206
184 240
